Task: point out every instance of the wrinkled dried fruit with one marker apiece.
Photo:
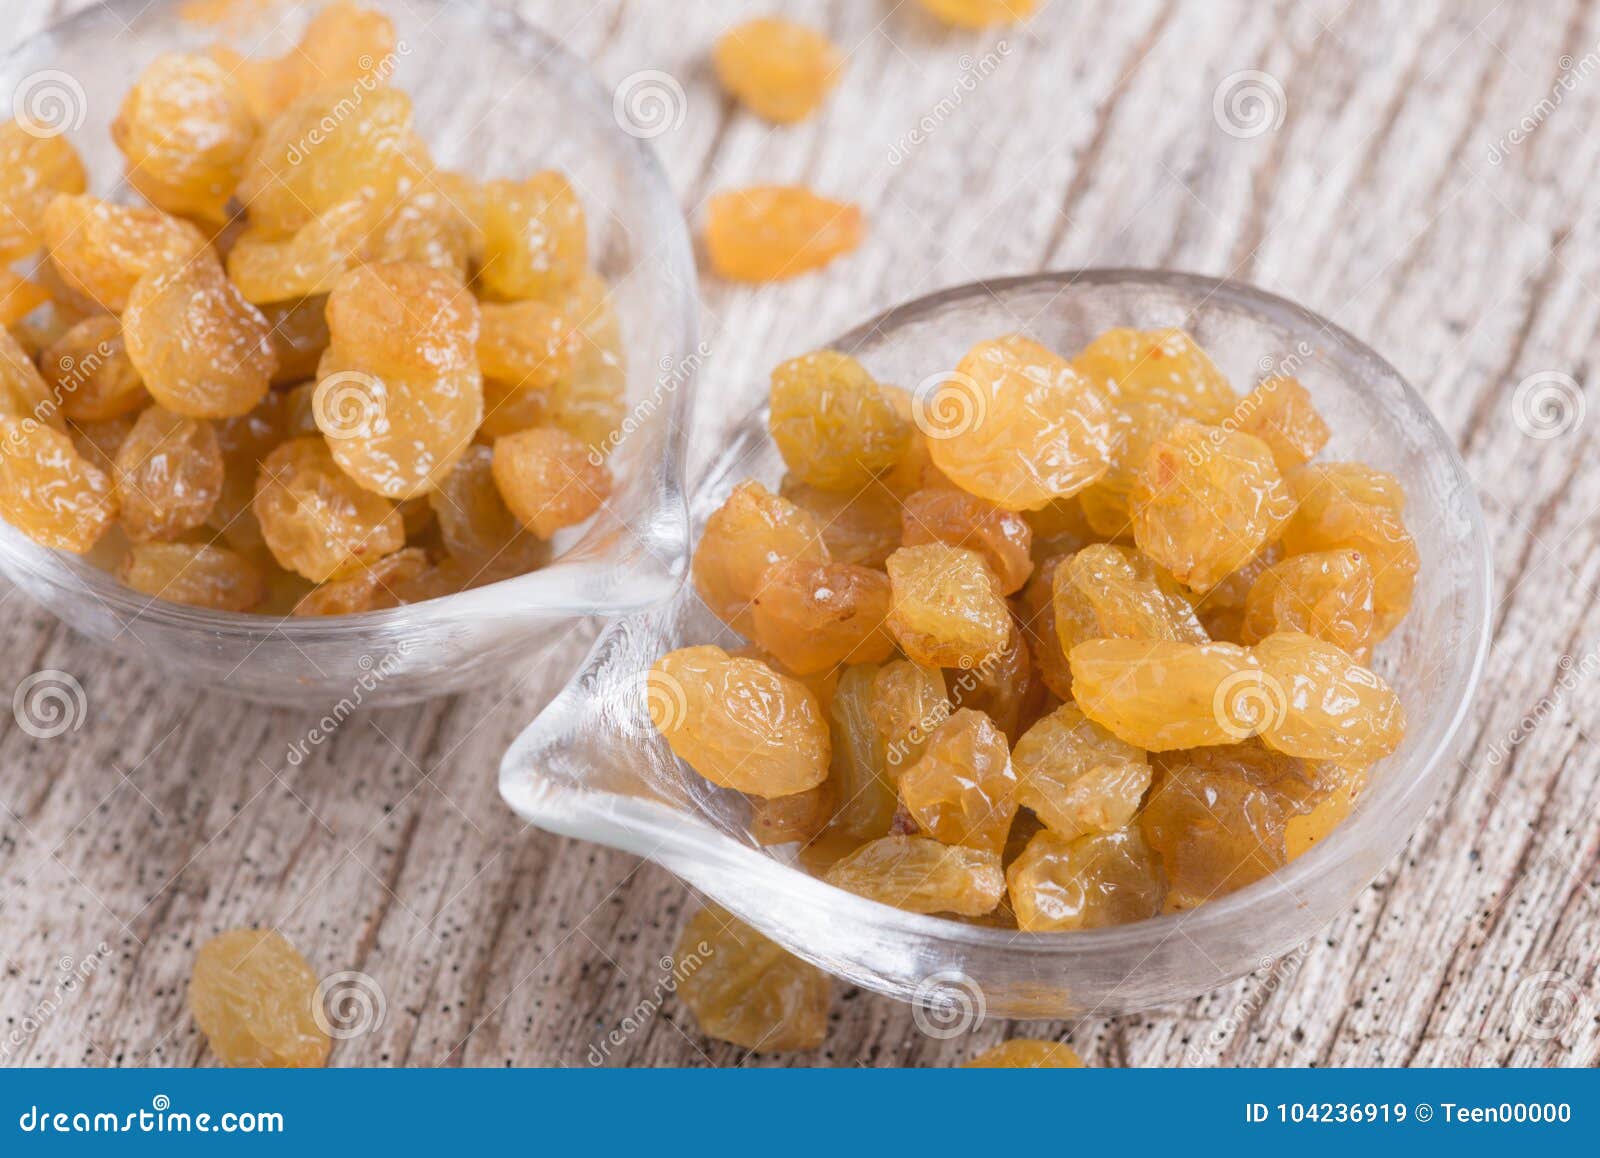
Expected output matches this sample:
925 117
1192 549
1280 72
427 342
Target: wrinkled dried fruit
1347 506
908 704
1206 502
1017 425
962 790
1021 1053
737 722
1280 413
476 526
770 232
1221 610
1005 688
833 425
1085 882
863 788
267 267
1135 427
921 875
1304 832
1036 618
373 588
34 167
797 817
525 345
813 616
861 528
315 519
750 532
1324 705
1110 592
253 996
94 377
1213 829
299 332
1327 594
19 297
1160 695
1165 366
743 988
100 250
947 515
536 242
946 609
778 69
548 479
48 491
23 392
1076 776
201 349
185 128
196 574
399 393
168 476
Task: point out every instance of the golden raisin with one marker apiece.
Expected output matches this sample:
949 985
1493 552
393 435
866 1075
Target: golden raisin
813 616
587 401
1213 829
771 232
833 425
863 790
268 267
548 479
947 515
861 528
1005 687
254 997
1076 776
750 532
1085 882
19 297
1160 695
315 519
23 392
1327 594
299 331
922 875
185 128
1017 425
94 377
946 609
1165 366
1135 428
373 588
797 817
1280 413
1021 1053
195 574
33 169
476 526
1110 592
778 69
100 250
48 491
962 790
737 722
536 242
169 475
908 704
1326 706
978 13
1036 618
1206 502
201 349
745 989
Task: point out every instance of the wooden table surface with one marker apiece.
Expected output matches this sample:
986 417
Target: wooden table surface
1423 174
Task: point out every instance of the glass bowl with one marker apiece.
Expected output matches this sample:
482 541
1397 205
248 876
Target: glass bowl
496 97
592 766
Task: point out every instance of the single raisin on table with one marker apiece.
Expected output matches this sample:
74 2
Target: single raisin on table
745 989
776 68
254 996
771 232
737 722
1021 1053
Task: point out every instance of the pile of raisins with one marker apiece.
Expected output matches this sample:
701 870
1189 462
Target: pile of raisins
315 372
1059 645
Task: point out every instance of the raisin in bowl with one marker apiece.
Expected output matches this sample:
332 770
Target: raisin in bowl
593 764
490 96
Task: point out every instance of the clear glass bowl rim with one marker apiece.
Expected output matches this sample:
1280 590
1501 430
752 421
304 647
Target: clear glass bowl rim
705 850
528 591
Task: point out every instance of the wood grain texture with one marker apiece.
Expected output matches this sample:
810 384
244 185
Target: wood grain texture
1389 198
